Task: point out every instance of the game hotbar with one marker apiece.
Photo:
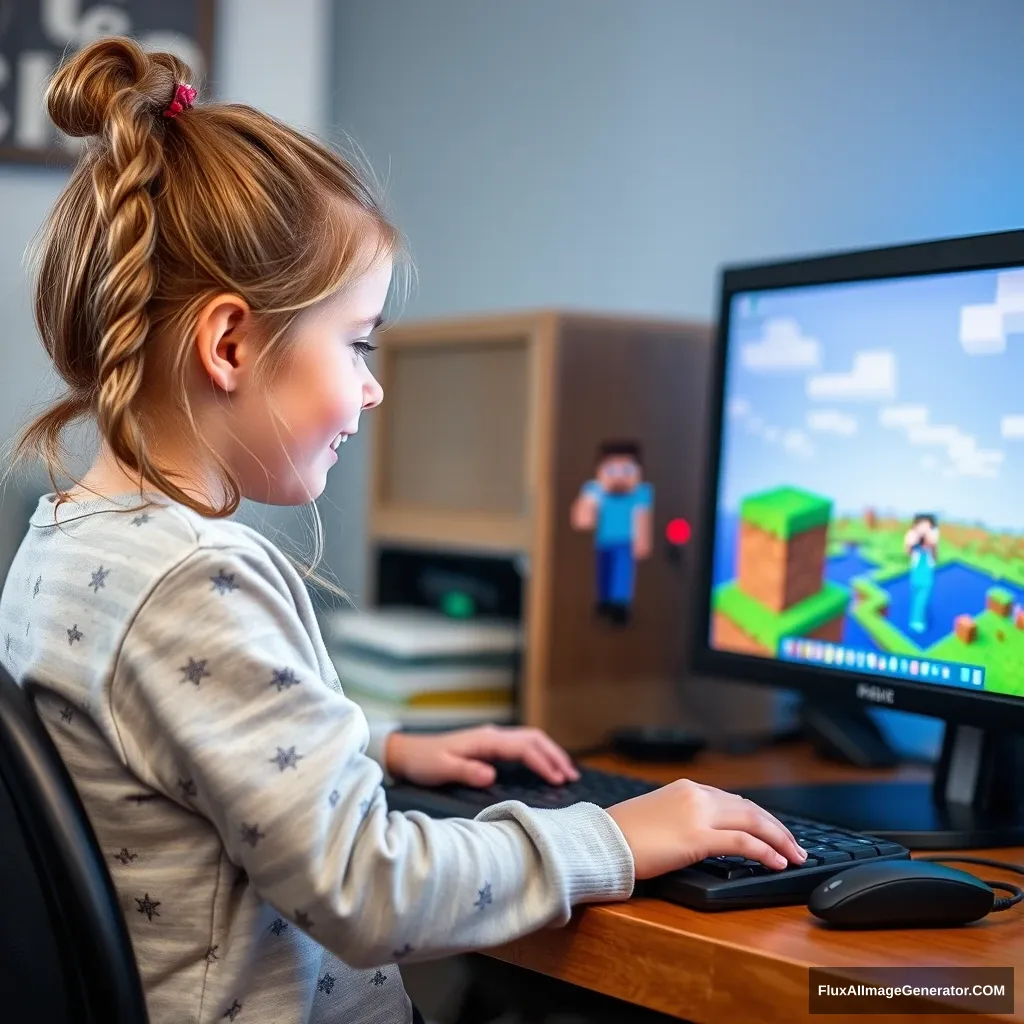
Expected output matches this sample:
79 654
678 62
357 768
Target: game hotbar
870 512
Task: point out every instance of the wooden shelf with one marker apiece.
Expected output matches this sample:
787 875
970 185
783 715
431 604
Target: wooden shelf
489 428
463 531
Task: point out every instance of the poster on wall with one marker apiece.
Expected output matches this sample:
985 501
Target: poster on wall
35 35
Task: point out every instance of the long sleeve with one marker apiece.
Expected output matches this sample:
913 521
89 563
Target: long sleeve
220 705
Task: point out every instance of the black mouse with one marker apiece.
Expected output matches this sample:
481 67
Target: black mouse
901 894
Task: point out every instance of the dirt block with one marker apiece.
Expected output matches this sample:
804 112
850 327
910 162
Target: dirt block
966 629
1000 603
1018 619
781 573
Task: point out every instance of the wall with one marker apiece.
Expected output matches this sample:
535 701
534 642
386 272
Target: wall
273 61
605 154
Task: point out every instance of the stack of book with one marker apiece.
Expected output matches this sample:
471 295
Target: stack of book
420 668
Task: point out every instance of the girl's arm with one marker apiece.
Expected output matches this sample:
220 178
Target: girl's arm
218 682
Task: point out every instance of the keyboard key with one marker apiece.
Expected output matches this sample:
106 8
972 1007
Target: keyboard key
800 865
723 867
863 852
815 848
885 849
755 866
825 856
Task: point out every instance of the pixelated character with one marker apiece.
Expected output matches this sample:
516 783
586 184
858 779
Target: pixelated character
921 545
618 506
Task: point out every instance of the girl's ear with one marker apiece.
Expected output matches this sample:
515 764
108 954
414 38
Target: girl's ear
224 340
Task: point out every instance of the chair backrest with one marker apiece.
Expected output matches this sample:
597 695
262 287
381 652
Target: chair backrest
65 953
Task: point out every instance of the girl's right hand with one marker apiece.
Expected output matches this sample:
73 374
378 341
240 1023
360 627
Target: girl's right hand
684 822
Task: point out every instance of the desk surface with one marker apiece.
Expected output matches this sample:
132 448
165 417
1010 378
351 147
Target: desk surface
752 965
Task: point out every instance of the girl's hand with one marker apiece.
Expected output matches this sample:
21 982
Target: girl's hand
463 756
684 822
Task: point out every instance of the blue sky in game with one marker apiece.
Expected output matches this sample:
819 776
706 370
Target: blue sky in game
903 396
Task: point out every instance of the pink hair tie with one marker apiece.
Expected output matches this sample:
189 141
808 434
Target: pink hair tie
184 98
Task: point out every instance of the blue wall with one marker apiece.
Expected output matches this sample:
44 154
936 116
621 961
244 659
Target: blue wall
611 153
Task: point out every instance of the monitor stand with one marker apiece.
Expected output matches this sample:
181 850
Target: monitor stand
975 800
846 732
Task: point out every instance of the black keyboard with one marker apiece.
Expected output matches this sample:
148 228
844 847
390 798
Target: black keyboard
718 883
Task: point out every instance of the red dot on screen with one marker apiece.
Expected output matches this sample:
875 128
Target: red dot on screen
678 531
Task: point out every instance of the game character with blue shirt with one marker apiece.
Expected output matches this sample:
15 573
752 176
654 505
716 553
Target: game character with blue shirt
618 506
921 544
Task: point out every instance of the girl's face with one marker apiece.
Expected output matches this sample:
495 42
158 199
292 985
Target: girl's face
290 433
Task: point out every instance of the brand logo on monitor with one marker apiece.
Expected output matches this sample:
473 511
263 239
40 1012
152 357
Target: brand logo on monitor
876 694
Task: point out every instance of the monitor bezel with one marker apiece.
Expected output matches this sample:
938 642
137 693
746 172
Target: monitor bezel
975 252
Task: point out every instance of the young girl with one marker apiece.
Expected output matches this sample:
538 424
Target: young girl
208 285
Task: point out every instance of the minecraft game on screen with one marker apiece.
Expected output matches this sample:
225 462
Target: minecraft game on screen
871 498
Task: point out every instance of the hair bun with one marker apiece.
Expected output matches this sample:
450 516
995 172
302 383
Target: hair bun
82 91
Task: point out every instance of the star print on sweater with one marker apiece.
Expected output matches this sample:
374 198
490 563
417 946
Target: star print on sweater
233 1010
251 834
224 582
125 856
483 897
326 983
99 579
194 672
74 633
148 906
379 978
35 589
67 713
286 758
211 954
279 926
141 519
283 678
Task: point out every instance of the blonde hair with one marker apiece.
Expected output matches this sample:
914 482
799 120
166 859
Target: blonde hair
160 215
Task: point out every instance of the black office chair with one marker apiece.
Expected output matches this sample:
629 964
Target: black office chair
65 954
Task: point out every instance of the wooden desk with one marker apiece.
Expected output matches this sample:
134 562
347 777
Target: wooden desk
750 966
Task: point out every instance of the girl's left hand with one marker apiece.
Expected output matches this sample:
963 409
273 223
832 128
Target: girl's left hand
462 756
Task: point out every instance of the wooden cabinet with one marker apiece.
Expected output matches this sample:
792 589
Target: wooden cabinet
489 427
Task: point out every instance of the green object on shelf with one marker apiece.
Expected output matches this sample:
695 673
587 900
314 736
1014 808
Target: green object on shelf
458 605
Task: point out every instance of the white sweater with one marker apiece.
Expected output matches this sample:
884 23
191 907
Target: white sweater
235 790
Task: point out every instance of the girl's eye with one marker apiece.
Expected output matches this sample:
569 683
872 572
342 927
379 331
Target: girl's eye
364 348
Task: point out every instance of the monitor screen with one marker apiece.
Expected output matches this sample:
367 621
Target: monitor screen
870 503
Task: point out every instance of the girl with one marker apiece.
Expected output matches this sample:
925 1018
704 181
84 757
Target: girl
208 286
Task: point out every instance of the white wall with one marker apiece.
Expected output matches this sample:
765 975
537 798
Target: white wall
276 61
610 153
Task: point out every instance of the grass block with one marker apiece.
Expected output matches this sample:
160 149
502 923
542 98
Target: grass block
785 512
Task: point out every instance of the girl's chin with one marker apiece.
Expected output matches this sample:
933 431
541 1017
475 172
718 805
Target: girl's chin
301 491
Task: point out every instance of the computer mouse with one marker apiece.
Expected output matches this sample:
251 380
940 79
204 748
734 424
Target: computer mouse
901 894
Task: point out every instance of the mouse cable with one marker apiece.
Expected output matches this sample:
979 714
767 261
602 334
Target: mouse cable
1001 903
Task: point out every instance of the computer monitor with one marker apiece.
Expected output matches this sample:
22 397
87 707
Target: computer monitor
863 539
